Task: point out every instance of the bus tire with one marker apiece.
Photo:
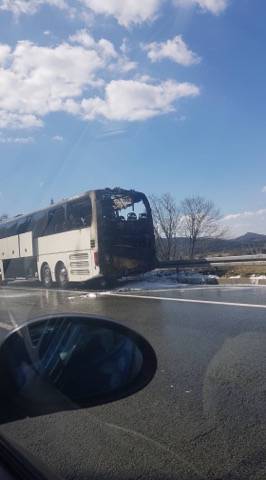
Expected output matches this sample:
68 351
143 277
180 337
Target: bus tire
61 275
46 276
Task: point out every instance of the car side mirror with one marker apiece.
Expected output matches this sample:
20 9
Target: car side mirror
70 361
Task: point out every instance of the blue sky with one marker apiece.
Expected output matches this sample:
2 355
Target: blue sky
158 95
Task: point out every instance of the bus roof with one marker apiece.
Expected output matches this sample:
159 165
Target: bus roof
112 191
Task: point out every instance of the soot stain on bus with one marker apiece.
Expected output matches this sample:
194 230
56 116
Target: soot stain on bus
128 243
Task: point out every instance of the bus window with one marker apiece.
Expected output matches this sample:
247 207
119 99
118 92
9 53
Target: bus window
23 225
39 223
56 221
3 230
79 213
11 229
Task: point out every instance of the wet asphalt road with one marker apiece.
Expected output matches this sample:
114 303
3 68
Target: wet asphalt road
203 415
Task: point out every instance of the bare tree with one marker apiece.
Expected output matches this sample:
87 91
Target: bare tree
166 219
200 219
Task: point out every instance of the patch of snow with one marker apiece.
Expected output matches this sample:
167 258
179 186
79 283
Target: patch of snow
160 279
154 280
83 296
235 277
255 279
258 277
197 278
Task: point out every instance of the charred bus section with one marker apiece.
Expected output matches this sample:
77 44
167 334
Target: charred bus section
126 234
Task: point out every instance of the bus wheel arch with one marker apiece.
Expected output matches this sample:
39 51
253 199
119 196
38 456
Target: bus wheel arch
46 275
61 274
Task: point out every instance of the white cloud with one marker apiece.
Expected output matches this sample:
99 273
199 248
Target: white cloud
123 65
249 221
37 80
18 7
4 53
214 6
126 11
57 138
18 120
133 100
174 49
83 38
263 189
105 48
22 140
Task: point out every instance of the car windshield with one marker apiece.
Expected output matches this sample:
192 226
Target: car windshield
133 239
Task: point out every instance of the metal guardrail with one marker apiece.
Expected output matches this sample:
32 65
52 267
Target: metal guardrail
212 261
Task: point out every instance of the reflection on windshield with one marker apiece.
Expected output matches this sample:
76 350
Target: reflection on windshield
234 403
70 362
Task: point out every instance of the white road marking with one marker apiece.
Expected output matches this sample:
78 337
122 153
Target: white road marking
8 295
187 300
29 291
219 287
185 289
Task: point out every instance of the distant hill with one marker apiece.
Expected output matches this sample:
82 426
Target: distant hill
251 237
248 244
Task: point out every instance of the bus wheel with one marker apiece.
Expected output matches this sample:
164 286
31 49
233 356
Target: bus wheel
61 275
46 276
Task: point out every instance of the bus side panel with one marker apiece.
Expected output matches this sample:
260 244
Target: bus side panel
25 244
17 261
3 248
73 248
13 247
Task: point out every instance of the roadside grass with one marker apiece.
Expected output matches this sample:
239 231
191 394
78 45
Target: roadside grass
245 270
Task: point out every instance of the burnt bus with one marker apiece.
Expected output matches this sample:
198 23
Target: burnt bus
99 234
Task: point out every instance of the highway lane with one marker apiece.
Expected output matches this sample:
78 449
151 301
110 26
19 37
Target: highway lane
202 416
239 295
